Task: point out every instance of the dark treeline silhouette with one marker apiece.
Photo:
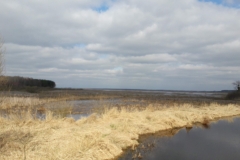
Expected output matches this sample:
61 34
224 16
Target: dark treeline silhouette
18 82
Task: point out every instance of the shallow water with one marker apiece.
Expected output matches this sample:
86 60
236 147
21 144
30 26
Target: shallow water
86 107
83 108
220 141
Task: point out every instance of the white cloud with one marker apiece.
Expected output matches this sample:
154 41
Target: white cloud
131 44
150 58
53 70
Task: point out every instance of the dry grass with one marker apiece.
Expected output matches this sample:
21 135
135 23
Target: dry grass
22 107
9 103
100 136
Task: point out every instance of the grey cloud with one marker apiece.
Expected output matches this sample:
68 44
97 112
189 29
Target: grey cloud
133 44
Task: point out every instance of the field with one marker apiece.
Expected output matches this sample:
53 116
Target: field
109 130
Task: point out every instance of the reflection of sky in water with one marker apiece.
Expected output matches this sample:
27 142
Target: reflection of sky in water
77 116
206 94
220 142
178 93
83 108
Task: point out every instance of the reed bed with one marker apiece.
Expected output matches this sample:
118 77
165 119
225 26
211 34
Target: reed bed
15 103
100 136
20 107
11 102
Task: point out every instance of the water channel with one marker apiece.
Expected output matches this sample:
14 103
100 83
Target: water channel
218 141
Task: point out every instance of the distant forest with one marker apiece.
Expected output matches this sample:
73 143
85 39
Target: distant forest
18 82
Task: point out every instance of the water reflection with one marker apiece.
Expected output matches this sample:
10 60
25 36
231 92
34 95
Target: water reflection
221 141
83 108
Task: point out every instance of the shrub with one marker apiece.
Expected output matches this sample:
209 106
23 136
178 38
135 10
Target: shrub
233 95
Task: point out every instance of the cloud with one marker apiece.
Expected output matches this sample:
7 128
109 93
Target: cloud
228 3
155 44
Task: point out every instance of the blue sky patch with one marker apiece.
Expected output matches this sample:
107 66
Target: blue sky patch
118 69
214 1
80 45
102 8
228 3
104 56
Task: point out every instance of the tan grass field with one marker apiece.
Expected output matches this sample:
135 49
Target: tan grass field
99 136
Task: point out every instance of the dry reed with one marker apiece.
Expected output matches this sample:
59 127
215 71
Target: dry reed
99 136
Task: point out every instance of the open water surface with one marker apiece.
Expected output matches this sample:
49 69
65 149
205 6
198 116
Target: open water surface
83 108
218 141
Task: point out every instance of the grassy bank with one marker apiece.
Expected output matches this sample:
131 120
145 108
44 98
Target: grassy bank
100 136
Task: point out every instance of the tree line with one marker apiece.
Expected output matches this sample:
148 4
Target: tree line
18 82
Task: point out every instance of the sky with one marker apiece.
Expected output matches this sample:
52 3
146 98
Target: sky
125 44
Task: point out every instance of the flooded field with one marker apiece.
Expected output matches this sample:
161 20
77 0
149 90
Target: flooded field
83 108
94 101
105 124
219 140
89 106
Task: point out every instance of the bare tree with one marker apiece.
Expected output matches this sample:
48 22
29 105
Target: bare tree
1 57
3 79
237 85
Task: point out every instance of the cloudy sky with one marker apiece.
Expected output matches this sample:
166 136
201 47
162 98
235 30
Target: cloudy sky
135 44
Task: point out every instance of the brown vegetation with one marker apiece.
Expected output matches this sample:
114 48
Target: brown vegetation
99 136
233 95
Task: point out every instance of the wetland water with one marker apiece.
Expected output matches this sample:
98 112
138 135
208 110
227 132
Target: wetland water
83 108
219 141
